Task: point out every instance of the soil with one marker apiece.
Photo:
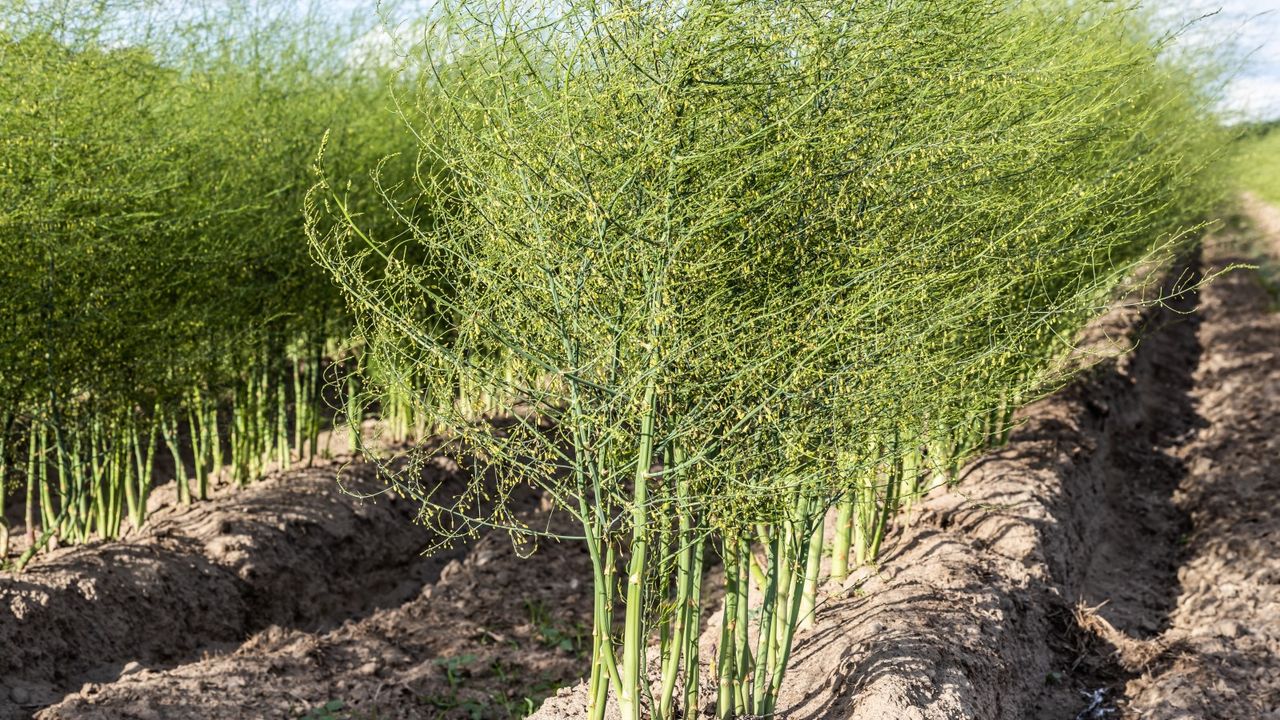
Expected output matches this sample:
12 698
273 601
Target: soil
483 639
1219 656
1119 557
289 596
285 552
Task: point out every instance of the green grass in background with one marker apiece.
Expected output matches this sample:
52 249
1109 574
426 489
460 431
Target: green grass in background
1259 165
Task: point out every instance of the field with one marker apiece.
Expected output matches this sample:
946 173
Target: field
827 360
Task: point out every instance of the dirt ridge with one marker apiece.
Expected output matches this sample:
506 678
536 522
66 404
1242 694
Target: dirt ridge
960 619
486 636
204 577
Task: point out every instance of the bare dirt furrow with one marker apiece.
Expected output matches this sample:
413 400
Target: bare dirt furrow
292 551
1221 652
493 636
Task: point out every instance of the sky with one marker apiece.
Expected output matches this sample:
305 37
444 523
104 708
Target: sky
1248 31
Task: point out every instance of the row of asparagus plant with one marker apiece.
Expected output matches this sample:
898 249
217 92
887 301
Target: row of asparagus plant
163 316
723 270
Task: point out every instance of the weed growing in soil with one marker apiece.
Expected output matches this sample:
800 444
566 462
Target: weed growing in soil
331 710
494 703
518 705
552 634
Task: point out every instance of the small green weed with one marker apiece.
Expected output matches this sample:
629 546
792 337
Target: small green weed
569 639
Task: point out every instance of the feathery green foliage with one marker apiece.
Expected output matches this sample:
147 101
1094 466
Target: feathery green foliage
155 268
700 271
716 267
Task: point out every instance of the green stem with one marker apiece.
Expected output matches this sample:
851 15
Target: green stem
179 470
284 457
784 643
195 427
743 661
634 638
764 640
692 631
130 487
299 405
315 400
890 507
98 493
843 535
813 564
48 517
4 488
725 671
32 483
213 441
685 582
354 416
